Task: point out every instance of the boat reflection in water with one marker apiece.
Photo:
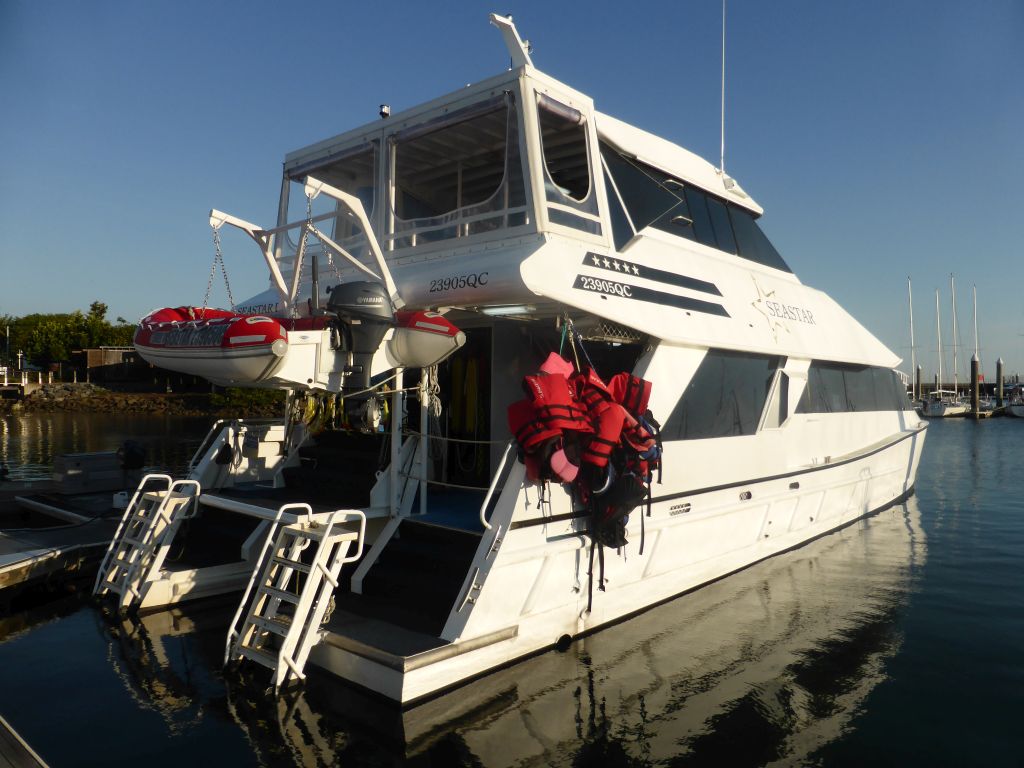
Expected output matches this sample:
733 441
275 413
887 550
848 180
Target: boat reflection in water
769 664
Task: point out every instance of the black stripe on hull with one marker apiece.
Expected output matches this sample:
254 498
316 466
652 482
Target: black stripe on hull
633 269
638 293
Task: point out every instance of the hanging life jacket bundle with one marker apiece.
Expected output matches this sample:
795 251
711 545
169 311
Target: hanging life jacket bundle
600 437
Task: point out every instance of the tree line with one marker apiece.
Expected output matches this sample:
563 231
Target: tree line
51 338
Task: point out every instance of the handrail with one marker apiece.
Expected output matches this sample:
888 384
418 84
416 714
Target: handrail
215 429
233 631
494 484
128 512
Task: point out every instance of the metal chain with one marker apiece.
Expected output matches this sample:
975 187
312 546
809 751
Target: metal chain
323 246
218 258
302 249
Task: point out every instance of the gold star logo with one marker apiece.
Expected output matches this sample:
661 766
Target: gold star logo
774 323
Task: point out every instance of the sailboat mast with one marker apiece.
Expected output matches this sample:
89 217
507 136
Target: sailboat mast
938 336
952 290
913 356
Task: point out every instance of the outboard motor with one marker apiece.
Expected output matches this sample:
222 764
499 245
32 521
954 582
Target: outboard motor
365 314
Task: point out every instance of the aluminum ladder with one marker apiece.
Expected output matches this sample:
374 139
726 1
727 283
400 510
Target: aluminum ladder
287 597
144 537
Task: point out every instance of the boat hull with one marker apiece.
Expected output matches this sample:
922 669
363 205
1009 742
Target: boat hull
218 345
539 564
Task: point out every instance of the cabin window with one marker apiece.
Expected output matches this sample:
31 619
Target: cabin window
459 175
844 388
568 187
753 244
353 170
654 198
651 198
725 397
722 226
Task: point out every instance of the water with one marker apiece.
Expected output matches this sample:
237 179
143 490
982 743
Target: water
29 442
894 641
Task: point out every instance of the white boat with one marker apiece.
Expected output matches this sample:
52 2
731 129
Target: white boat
942 403
535 224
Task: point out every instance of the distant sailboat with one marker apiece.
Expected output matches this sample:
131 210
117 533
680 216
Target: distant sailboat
943 402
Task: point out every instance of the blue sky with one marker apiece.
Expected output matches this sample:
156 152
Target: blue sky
882 138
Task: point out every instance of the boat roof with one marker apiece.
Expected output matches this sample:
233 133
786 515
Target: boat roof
631 141
666 156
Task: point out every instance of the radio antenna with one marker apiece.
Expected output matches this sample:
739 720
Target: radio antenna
721 166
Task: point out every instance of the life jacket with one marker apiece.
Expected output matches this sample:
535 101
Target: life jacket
590 390
529 431
554 402
608 421
631 392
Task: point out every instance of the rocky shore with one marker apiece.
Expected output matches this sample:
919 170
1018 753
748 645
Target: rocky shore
90 398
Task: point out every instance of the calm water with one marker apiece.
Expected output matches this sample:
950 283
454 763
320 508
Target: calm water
897 641
29 442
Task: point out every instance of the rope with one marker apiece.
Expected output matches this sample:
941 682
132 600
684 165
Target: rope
448 485
453 439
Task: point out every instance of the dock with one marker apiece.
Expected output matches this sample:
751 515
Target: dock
43 535
15 751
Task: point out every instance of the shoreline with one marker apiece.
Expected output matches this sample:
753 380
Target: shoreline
91 398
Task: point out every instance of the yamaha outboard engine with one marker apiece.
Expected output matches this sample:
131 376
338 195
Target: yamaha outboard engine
365 314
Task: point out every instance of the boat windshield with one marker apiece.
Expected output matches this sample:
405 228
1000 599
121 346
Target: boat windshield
458 175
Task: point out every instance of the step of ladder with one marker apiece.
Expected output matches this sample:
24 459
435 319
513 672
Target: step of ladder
279 625
266 658
296 565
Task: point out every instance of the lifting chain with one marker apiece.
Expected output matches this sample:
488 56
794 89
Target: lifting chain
302 250
323 246
218 258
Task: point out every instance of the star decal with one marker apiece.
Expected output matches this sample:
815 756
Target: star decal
597 260
618 267
636 270
774 324
607 264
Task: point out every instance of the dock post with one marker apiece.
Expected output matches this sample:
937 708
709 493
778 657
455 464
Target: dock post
975 385
999 382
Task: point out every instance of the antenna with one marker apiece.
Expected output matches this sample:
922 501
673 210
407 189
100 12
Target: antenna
721 165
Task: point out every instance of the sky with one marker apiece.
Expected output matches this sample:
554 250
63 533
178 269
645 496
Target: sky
883 138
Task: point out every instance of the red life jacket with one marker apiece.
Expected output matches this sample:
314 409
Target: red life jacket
555 404
590 390
529 431
632 392
609 418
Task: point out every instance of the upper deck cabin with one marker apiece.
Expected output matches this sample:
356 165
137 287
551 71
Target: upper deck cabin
516 157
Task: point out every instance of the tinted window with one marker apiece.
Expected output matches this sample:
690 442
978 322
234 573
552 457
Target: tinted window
701 218
722 226
647 198
622 233
839 388
752 242
725 397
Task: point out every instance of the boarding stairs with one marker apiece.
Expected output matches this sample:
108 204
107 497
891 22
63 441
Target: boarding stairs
143 538
291 588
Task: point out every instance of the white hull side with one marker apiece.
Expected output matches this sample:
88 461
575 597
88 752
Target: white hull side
533 582
941 410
